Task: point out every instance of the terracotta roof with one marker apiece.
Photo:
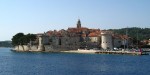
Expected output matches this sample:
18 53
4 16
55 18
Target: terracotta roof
93 35
77 29
75 32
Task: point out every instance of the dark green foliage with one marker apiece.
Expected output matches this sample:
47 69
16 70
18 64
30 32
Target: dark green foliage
21 39
5 44
134 32
16 39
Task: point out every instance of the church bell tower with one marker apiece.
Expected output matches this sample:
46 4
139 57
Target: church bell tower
78 24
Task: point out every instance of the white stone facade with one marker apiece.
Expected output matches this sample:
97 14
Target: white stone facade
106 39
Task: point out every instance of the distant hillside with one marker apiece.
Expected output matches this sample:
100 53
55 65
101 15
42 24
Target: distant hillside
142 33
5 44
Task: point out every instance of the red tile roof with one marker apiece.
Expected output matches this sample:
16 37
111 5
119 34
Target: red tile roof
93 35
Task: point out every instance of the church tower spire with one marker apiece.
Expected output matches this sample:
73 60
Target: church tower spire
79 24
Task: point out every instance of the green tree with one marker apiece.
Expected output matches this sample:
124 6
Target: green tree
16 39
27 38
21 39
134 32
31 37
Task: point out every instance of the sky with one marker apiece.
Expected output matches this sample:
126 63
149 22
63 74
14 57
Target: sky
38 16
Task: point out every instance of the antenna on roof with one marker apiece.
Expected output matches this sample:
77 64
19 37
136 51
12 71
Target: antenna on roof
127 36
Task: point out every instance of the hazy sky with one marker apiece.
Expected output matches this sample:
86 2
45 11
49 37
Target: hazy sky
38 16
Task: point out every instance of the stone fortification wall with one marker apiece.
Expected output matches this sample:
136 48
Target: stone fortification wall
59 48
46 47
52 48
34 47
22 48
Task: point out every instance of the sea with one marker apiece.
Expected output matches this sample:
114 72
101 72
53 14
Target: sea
39 63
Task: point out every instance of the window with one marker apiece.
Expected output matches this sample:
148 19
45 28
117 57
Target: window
59 41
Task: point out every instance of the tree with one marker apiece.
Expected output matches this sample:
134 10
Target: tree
31 37
21 39
16 39
134 32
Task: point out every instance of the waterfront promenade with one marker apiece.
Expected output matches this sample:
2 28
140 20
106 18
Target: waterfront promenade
107 52
92 51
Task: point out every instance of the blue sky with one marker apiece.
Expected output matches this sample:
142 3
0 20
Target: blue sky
38 16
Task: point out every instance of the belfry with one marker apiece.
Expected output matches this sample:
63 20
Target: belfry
78 24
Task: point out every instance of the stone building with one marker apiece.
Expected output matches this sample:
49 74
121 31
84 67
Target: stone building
77 37
81 37
74 37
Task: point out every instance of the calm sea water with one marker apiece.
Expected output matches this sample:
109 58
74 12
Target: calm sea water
30 63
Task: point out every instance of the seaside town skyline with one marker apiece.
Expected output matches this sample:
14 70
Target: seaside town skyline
37 16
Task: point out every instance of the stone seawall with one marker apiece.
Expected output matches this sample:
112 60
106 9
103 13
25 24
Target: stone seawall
34 47
22 48
47 48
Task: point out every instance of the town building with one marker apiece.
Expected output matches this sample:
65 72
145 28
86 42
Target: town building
82 37
78 38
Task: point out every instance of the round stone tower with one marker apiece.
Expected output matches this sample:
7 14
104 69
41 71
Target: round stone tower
41 45
106 40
